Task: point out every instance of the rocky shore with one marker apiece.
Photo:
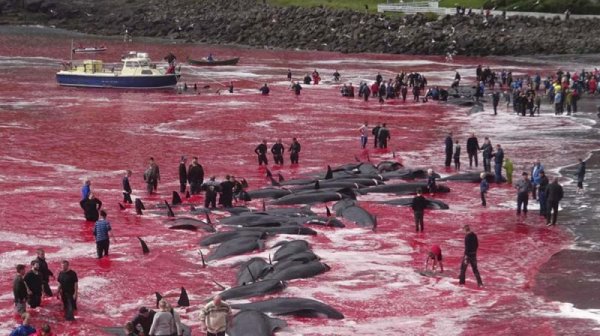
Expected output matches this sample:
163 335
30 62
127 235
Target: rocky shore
252 23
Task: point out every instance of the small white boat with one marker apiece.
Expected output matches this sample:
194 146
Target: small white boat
89 50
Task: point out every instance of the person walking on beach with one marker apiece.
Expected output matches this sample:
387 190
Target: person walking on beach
580 173
449 143
484 186
523 189
384 136
554 194
101 232
68 289
472 149
363 135
44 271
294 151
216 316
261 151
418 205
486 152
470 256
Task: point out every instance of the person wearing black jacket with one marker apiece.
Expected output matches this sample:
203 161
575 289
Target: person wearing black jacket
143 321
375 132
419 203
470 257
294 151
449 147
212 188
261 151
33 279
195 176
226 189
90 207
472 149
384 136
183 178
487 155
542 193
498 161
44 271
20 290
277 151
554 193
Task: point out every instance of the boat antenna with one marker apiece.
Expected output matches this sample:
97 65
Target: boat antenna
71 50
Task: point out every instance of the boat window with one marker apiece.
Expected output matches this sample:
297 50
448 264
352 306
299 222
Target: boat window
144 63
135 64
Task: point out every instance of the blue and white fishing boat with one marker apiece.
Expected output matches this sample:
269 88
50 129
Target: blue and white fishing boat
137 72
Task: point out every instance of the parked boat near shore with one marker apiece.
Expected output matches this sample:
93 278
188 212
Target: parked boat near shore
136 73
89 50
206 62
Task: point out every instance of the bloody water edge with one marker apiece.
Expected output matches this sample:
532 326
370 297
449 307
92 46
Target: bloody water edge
52 137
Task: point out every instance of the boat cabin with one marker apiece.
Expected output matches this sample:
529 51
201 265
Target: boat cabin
137 65
90 66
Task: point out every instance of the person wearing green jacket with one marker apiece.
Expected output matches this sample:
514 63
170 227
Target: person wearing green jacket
508 166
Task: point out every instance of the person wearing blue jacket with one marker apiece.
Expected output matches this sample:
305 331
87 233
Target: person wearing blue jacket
536 177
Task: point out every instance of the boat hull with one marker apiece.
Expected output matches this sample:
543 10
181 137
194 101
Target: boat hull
116 81
231 61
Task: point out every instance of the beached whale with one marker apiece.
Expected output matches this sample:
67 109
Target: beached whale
358 215
257 288
431 203
268 193
236 246
314 197
305 270
254 323
403 188
289 248
251 270
292 306
191 224
291 229
222 236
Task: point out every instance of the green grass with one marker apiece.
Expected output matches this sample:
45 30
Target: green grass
464 3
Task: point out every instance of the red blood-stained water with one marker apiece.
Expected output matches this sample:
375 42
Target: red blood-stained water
52 137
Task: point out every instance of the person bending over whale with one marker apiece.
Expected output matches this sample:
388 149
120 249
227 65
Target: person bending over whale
90 207
435 255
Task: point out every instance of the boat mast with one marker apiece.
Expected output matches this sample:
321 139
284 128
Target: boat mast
71 50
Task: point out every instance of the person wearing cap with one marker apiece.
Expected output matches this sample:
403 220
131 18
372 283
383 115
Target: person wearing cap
183 178
143 321
419 203
216 316
435 255
523 189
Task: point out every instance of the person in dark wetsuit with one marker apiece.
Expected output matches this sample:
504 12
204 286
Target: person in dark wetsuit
277 151
183 178
195 176
211 187
294 151
289 75
419 203
33 279
261 151
44 271
554 193
226 188
127 187
143 321
472 149
90 207
296 87
431 186
68 290
152 176
470 257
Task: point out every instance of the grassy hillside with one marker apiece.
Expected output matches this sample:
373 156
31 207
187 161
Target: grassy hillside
552 6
